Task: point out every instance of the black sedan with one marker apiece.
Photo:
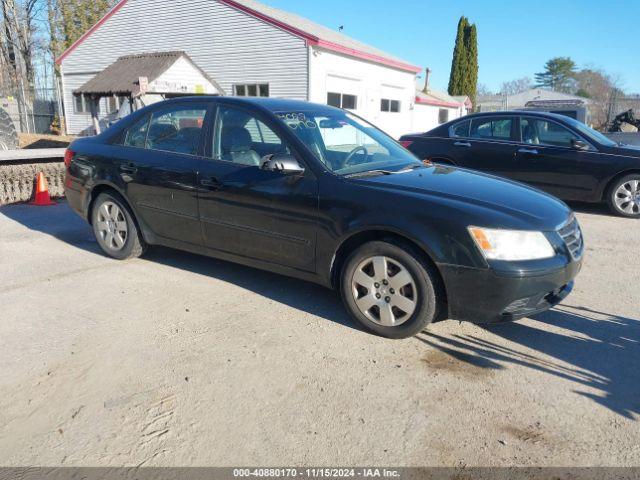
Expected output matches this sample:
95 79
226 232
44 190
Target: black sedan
552 152
317 193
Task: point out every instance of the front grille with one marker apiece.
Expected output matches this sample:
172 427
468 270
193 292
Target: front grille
572 236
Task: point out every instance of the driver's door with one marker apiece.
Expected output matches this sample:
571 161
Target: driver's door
251 212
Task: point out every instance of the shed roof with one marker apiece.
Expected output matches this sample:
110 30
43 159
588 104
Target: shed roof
122 76
438 99
313 33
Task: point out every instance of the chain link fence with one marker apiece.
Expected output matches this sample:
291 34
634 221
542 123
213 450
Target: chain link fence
35 111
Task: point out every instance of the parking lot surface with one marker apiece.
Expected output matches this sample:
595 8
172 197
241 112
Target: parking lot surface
181 360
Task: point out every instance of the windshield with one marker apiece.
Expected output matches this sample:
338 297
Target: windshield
346 144
591 133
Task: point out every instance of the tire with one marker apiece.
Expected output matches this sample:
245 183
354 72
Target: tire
8 134
623 197
115 229
389 315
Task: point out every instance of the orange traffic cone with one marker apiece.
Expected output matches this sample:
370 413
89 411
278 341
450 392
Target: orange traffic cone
42 198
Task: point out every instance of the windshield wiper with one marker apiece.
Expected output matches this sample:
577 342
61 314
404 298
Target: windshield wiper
370 172
385 172
412 167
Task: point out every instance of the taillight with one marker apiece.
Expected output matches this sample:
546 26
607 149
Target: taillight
406 143
68 156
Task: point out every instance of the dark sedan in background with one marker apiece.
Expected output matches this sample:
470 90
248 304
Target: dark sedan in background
552 152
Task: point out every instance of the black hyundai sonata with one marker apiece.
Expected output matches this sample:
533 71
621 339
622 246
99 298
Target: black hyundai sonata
317 193
552 152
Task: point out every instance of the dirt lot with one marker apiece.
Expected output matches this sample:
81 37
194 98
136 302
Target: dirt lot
179 360
33 140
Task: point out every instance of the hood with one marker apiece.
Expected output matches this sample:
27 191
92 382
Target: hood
627 149
501 203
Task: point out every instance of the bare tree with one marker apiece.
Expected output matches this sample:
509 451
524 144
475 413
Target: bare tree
516 86
484 90
602 89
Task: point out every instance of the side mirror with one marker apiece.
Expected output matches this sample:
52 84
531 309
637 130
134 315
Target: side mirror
579 145
283 163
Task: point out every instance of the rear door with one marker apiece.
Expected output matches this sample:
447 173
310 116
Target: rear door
547 159
489 146
159 164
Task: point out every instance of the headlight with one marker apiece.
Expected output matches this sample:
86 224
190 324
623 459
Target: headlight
511 245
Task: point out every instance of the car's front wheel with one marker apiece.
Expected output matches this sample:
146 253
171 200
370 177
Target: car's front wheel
114 228
624 196
389 289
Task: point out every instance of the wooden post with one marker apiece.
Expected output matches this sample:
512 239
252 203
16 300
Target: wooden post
94 113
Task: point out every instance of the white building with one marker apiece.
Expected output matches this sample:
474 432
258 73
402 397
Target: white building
248 48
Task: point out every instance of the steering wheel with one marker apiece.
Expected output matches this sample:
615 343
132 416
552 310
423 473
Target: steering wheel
347 161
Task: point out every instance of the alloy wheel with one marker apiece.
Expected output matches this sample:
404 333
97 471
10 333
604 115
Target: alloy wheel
384 291
627 197
111 225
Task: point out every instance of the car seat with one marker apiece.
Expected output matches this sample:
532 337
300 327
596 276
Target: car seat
530 136
237 147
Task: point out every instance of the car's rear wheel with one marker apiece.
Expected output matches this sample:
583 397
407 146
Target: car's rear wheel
114 228
624 196
389 289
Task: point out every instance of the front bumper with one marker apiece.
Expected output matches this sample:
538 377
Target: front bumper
487 296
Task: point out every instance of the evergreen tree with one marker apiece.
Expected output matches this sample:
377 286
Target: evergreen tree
471 84
559 75
458 67
464 67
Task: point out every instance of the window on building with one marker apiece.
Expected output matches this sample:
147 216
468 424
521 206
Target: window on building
114 103
342 100
392 106
252 90
443 115
82 104
492 128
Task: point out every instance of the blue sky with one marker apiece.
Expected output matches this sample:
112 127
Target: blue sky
516 37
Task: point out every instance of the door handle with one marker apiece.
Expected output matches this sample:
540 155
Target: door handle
462 144
130 168
211 183
530 151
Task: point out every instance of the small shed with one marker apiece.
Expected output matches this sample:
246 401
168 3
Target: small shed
169 74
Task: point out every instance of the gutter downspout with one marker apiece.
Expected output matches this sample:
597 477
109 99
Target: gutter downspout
309 70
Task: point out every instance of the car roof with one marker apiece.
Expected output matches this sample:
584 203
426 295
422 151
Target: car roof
501 113
271 104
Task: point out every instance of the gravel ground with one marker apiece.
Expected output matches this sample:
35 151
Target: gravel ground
180 360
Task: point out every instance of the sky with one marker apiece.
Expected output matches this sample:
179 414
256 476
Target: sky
515 37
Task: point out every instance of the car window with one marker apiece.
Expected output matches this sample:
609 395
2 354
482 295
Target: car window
137 134
345 138
177 130
492 128
536 131
461 130
345 143
242 138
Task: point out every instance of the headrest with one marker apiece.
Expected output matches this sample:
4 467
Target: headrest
236 139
